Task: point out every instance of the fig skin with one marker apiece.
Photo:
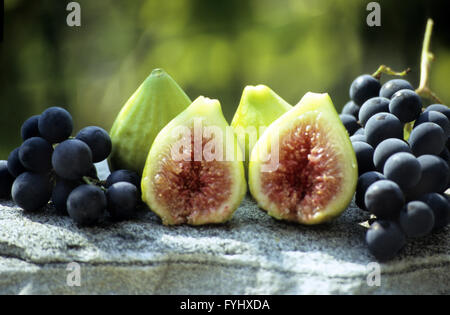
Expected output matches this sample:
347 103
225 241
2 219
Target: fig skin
259 107
309 109
210 113
156 102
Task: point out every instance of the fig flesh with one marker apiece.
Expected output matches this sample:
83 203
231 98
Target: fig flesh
303 167
156 102
194 172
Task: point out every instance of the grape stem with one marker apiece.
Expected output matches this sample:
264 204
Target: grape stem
425 65
385 69
91 181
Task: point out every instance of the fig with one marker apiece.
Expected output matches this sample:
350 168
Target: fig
194 172
156 102
303 167
258 108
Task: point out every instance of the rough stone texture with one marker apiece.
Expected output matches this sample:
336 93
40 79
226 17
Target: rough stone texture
251 254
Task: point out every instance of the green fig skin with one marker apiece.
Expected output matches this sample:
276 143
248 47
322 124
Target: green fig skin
258 108
156 102
194 191
317 179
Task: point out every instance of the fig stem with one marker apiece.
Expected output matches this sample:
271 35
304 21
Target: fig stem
387 70
425 65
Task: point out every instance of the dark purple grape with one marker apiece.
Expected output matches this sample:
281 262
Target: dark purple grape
403 168
406 105
86 204
72 159
385 239
427 138
15 167
371 107
416 219
98 141
351 109
384 198
6 180
383 126
434 117
123 176
434 177
392 86
349 123
364 87
386 149
61 192
36 154
444 109
122 200
360 131
55 124
30 128
31 191
364 156
364 181
355 138
440 207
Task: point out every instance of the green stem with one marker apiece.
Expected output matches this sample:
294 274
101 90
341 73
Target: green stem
91 181
387 70
425 65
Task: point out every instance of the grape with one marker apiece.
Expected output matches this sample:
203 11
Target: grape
364 156
440 207
434 178
349 123
406 105
403 168
382 126
385 239
371 107
384 198
360 131
364 181
55 124
30 128
31 191
386 148
86 204
434 117
355 138
72 159
98 141
427 138
439 108
6 180
61 192
392 86
416 219
364 87
123 176
36 154
122 200
351 109
15 167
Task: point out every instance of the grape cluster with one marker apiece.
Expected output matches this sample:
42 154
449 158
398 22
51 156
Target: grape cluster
50 165
401 183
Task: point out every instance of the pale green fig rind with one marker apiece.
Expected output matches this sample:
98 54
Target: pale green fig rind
259 107
157 101
312 104
210 113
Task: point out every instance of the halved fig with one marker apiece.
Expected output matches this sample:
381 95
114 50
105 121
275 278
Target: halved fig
303 167
194 172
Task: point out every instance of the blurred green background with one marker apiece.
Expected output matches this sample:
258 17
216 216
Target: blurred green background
211 48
